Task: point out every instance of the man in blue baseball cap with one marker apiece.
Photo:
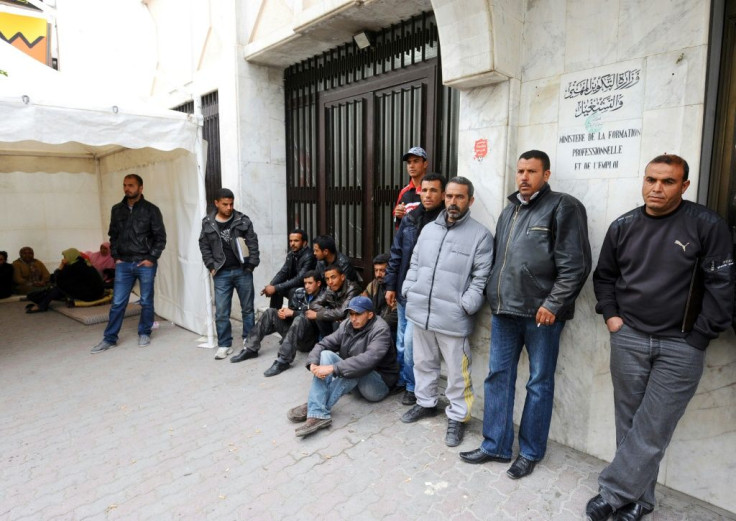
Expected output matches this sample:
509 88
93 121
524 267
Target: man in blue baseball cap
359 355
410 196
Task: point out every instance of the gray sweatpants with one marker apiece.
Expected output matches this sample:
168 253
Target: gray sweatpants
428 347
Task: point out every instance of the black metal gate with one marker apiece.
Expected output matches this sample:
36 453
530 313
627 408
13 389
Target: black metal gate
211 133
350 115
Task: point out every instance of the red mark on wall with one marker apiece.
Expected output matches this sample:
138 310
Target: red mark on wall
480 149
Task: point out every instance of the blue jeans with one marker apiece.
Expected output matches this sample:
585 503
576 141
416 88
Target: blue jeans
227 280
126 273
325 393
405 349
508 335
654 379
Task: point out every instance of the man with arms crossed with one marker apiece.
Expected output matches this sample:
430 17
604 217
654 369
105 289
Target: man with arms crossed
137 239
231 265
542 261
642 283
443 290
410 196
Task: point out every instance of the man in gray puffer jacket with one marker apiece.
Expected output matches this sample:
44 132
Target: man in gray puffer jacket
444 289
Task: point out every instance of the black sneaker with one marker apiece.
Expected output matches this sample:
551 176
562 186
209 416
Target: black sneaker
418 412
409 398
276 368
455 432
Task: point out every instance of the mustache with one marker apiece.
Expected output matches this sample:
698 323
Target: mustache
453 208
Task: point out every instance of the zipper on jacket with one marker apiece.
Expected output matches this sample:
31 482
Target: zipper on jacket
434 272
505 252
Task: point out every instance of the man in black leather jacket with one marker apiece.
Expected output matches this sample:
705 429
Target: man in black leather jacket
299 261
325 250
229 247
297 332
137 239
542 258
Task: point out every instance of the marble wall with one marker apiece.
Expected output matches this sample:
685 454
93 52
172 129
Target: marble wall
563 39
512 60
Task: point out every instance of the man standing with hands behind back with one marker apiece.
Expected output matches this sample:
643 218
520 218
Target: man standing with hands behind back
137 239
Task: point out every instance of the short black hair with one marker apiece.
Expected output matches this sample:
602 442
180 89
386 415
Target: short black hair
300 232
381 258
537 154
673 159
436 177
137 178
325 242
224 193
312 274
4 254
460 180
334 267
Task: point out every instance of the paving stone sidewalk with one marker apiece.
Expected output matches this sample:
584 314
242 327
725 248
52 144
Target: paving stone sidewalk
166 432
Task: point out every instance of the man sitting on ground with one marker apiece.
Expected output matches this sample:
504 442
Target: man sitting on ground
325 250
299 261
297 332
29 274
331 307
376 291
359 355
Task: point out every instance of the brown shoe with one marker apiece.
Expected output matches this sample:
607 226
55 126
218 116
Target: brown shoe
312 425
298 414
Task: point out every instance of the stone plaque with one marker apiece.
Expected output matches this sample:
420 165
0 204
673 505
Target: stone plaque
600 122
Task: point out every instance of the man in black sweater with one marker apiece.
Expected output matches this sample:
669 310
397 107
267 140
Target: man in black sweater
664 285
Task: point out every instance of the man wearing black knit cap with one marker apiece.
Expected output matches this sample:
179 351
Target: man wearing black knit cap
664 285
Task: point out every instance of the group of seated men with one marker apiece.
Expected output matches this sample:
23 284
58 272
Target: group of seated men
322 289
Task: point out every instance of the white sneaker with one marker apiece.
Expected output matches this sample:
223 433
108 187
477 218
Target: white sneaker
223 352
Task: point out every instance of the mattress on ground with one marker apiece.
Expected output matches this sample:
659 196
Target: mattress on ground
95 314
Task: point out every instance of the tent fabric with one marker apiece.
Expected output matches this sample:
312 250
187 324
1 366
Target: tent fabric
64 152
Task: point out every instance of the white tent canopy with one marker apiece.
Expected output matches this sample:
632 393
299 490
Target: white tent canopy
63 155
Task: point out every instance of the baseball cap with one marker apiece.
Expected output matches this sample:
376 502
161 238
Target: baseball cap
360 304
415 151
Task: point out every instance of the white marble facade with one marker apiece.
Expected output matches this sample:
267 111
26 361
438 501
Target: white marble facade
510 59
562 38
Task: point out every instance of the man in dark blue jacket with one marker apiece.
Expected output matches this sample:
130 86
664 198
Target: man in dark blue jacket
229 247
137 239
299 261
433 201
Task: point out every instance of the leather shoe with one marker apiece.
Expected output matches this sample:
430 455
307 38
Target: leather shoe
298 414
631 512
598 509
521 467
478 456
312 426
245 354
276 368
418 412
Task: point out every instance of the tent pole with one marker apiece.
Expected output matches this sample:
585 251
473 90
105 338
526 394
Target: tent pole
201 165
99 195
